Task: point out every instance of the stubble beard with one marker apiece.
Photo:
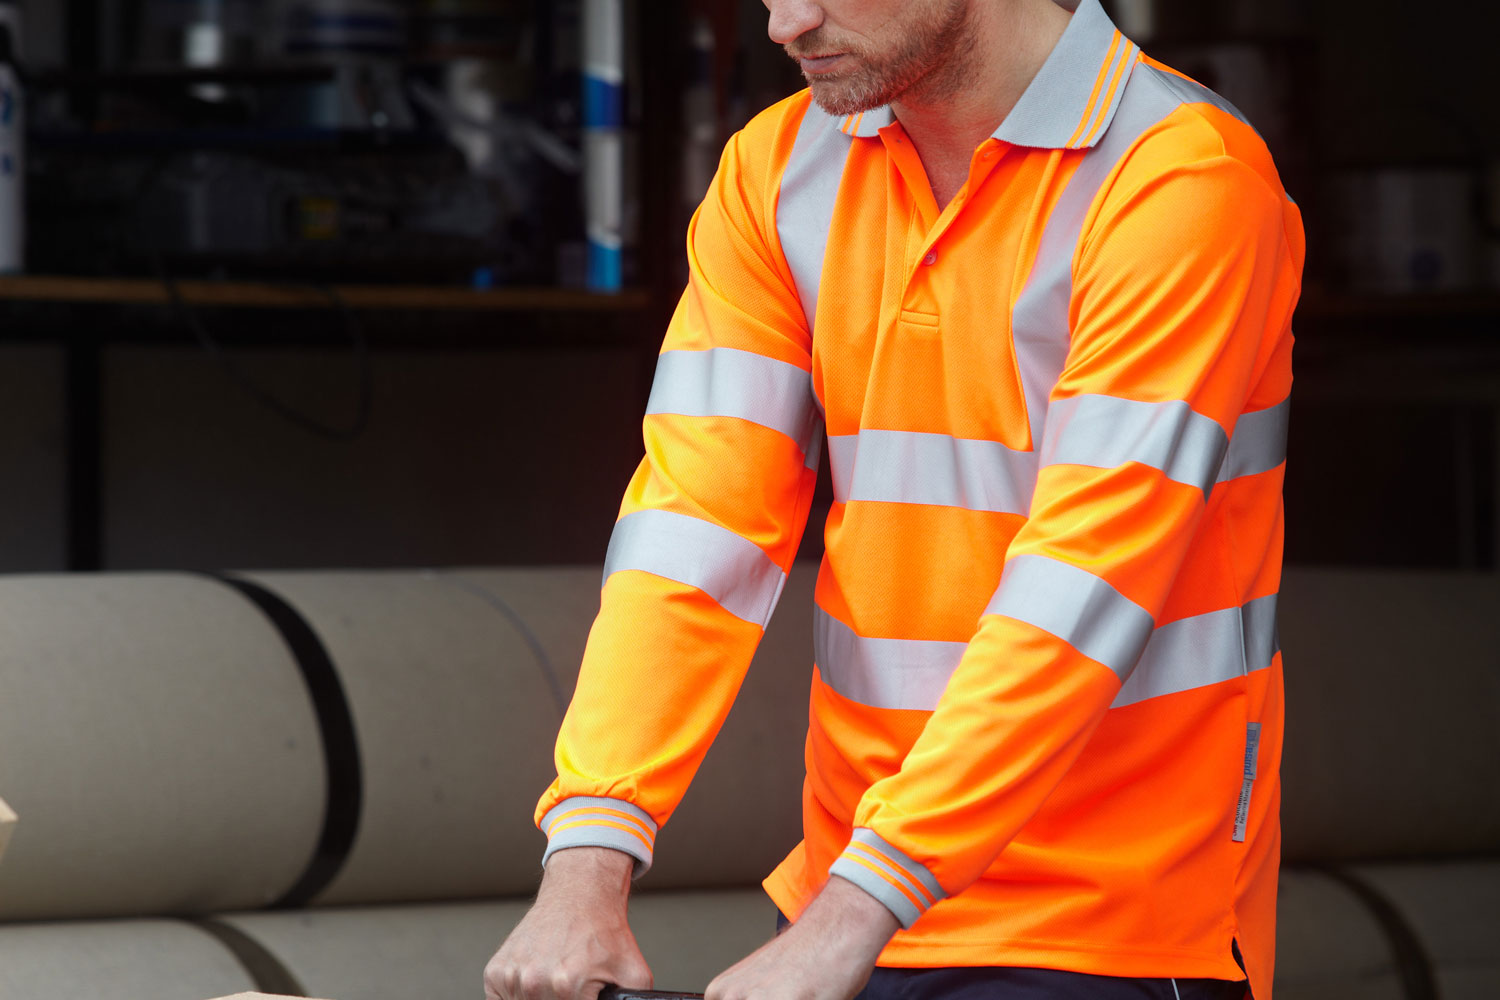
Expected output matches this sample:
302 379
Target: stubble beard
932 62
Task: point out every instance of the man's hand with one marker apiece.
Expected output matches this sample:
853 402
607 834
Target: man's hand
575 939
826 955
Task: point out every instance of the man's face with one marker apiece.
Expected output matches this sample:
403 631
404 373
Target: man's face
861 54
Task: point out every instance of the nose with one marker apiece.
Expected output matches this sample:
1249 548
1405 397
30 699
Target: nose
790 19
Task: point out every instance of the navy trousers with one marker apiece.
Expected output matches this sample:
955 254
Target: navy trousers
1001 983
994 983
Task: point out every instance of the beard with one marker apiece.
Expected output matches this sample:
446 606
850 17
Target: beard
930 60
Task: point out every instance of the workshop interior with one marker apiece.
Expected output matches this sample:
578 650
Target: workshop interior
328 326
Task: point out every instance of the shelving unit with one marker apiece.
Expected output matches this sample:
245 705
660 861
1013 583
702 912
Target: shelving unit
259 295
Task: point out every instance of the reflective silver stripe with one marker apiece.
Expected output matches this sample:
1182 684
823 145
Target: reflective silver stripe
1039 322
1048 113
596 827
732 570
1106 432
725 382
1078 607
909 467
1259 442
882 673
809 190
890 897
1180 656
914 872
1205 649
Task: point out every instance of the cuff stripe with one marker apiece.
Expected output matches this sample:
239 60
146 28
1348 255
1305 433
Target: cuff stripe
895 883
864 875
918 873
884 866
599 821
559 828
603 816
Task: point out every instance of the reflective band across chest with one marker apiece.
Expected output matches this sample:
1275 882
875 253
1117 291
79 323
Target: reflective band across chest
908 467
734 571
724 382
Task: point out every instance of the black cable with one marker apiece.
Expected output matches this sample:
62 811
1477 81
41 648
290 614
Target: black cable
357 339
365 390
1413 965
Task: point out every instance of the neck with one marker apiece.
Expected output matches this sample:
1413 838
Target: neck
963 101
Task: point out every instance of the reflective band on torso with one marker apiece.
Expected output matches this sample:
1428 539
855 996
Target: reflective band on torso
909 467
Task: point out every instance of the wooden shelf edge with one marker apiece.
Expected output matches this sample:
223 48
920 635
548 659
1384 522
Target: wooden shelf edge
144 291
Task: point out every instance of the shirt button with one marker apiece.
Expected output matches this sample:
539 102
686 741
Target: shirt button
931 258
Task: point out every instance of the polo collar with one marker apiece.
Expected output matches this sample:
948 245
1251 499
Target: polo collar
1072 99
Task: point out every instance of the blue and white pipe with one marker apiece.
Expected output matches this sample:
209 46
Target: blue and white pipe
603 141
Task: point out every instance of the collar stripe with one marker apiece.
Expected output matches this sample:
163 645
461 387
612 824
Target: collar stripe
1091 108
1121 71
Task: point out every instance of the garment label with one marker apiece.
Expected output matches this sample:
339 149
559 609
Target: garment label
1252 756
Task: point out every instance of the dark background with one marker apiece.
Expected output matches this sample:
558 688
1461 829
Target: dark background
286 425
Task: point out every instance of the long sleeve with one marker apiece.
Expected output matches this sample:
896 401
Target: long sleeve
1183 286
708 529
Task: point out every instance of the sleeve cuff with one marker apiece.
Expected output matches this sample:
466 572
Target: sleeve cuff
582 821
906 888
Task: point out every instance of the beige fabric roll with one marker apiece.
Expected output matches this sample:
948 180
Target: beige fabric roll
159 740
7 824
117 960
454 721
438 952
1393 713
743 812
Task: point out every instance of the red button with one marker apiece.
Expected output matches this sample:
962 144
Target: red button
931 258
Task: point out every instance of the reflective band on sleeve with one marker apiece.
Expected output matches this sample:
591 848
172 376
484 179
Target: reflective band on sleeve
1107 432
1076 606
1259 442
882 673
586 821
734 571
909 467
1202 650
725 382
804 209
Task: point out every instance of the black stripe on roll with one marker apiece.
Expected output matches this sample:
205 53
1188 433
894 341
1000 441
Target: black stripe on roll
265 969
340 747
1413 965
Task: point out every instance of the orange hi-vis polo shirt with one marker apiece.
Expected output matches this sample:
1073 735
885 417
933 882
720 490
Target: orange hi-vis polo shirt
1046 711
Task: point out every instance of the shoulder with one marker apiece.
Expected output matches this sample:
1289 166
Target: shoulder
1192 129
760 150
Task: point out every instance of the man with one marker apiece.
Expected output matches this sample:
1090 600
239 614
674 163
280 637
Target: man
1039 289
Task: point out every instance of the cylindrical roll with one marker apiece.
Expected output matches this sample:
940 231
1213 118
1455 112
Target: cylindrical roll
738 820
158 739
121 960
454 718
603 146
438 952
